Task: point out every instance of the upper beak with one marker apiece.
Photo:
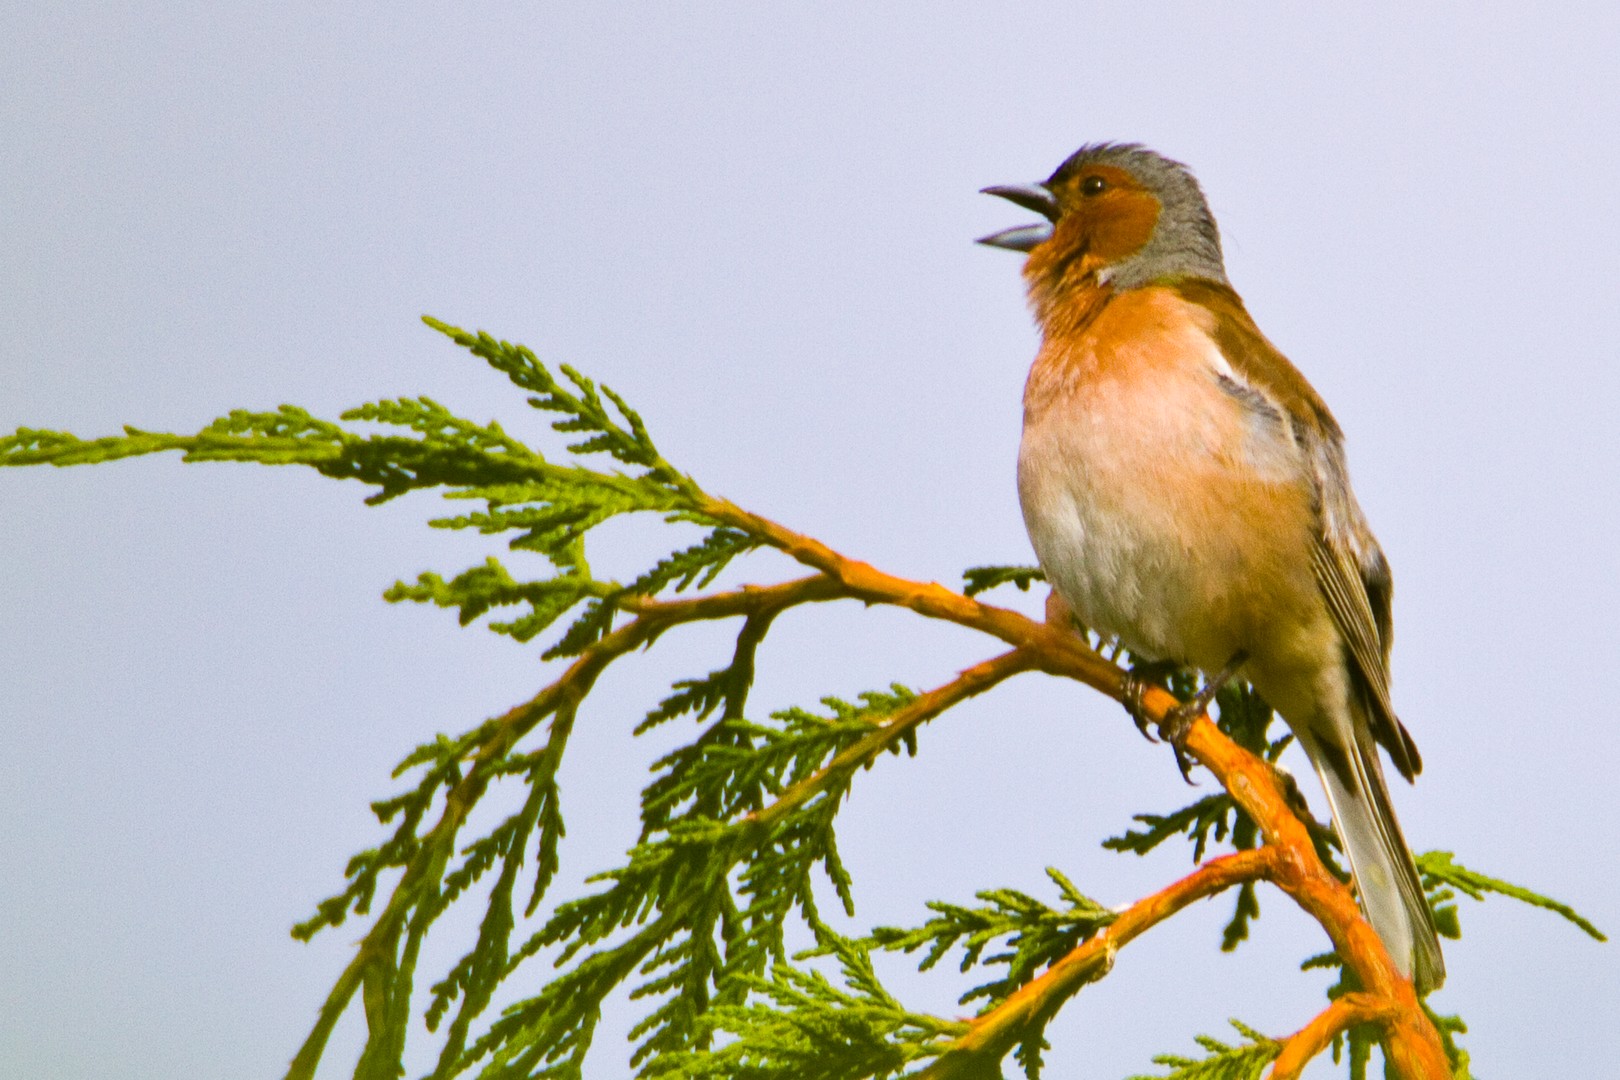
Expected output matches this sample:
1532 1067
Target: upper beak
1036 197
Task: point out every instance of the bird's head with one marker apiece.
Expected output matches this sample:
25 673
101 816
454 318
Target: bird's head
1117 215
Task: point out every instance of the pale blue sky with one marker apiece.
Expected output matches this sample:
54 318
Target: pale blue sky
756 224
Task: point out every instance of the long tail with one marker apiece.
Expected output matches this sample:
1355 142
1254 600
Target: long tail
1346 758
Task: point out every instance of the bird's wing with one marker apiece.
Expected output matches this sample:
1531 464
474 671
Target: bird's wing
1349 566
1351 597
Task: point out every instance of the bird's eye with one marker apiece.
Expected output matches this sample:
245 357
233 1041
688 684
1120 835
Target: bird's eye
1093 185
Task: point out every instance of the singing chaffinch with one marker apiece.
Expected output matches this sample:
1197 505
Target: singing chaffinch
1185 490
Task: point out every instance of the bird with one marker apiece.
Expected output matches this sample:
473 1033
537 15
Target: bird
1186 493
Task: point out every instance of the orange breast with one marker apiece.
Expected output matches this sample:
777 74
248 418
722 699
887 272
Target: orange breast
1160 509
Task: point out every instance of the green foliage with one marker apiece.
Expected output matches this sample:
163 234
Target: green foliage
539 505
1449 1028
984 578
737 824
1442 874
798 1023
1245 1061
1035 934
726 857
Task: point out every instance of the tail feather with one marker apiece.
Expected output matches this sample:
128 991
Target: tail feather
1346 758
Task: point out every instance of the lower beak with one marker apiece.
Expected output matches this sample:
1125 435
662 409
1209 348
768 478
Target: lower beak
1036 197
1018 238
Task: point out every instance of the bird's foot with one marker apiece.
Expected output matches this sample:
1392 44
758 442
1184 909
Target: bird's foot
1177 722
1174 728
1134 687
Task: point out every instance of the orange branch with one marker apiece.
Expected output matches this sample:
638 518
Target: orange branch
1310 1040
1411 1044
1056 650
975 680
993 1034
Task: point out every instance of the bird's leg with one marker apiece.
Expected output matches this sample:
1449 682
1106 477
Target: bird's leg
1179 720
1143 674
1059 613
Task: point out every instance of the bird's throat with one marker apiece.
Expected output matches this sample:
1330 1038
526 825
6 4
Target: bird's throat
1069 302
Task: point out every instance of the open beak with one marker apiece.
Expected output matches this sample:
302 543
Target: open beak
1036 197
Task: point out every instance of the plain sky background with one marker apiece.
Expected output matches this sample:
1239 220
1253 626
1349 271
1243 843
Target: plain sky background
755 221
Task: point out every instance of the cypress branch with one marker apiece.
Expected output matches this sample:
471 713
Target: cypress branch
739 823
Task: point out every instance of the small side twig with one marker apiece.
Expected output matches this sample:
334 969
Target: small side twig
993 1034
975 680
1310 1040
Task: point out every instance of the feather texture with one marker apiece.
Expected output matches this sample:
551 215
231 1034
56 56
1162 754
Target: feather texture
1185 489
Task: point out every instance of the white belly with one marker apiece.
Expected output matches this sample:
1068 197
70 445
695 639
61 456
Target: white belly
1143 503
